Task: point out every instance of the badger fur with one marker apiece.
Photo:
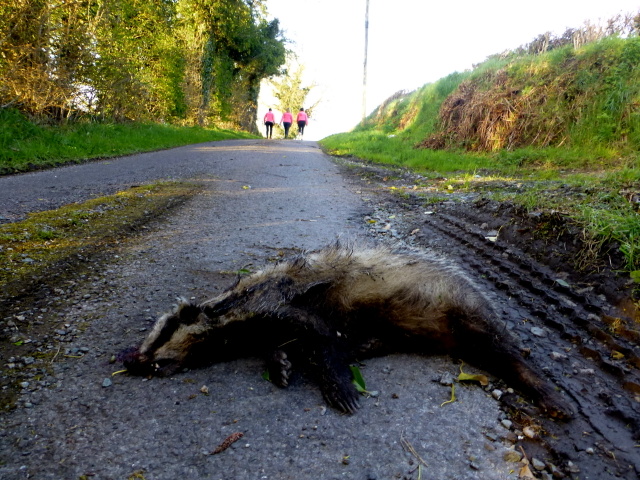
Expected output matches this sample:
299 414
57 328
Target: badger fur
324 309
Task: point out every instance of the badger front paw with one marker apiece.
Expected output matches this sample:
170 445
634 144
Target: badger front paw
341 395
279 368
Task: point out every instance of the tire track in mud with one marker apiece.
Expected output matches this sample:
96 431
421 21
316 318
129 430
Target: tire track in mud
563 331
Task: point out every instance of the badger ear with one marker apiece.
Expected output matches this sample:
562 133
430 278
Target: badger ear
189 313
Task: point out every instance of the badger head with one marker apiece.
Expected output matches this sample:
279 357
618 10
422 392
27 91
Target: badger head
171 344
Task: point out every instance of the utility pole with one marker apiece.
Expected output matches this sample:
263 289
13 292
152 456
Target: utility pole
364 77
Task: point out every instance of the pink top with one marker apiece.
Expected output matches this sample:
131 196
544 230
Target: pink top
287 117
302 117
269 117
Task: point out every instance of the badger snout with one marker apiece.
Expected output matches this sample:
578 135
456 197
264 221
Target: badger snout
135 362
138 363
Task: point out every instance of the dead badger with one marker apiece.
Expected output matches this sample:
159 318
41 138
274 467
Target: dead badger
327 308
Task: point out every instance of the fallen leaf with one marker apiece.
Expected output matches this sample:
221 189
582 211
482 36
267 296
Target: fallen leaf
526 474
468 377
234 437
559 281
358 379
617 355
453 395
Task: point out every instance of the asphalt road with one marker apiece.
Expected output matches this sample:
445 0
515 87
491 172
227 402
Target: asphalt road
262 199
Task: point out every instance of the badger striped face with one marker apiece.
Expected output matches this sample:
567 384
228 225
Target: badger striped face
166 350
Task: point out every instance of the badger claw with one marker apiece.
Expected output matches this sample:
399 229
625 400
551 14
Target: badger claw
342 397
279 368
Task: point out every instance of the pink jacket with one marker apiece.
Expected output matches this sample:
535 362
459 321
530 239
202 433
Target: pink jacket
287 117
302 117
269 117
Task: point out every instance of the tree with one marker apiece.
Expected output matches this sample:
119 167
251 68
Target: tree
289 89
192 61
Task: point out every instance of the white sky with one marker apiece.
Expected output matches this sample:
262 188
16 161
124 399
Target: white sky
411 43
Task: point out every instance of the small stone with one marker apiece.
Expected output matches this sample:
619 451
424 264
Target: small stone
557 356
496 394
590 451
538 464
446 379
538 332
506 424
512 456
529 432
555 471
572 467
491 436
511 437
107 382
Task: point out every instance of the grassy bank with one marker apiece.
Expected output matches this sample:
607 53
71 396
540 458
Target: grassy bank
558 131
27 146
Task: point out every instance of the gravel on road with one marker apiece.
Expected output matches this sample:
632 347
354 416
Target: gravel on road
76 418
262 201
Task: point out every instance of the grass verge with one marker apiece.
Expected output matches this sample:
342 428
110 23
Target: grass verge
27 146
602 198
49 244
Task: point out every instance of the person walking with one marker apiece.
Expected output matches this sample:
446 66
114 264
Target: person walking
303 121
286 121
269 120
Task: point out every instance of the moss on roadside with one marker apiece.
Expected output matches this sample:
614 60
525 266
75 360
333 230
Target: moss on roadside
45 245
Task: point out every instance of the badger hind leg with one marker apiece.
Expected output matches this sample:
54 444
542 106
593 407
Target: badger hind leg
335 379
279 368
319 345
